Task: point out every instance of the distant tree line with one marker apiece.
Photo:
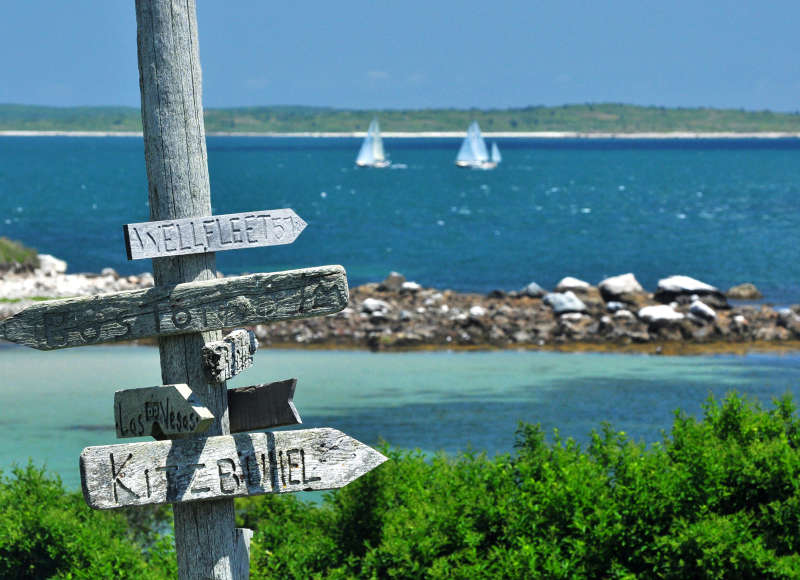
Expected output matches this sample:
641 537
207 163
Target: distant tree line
600 117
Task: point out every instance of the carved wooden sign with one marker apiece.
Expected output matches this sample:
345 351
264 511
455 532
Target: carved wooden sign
226 358
179 309
212 233
169 410
262 406
182 470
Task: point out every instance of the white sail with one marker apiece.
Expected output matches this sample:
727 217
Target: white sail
371 153
473 150
496 157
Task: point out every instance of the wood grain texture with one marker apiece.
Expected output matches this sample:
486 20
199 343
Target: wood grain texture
216 233
263 406
178 187
168 410
184 308
195 469
226 358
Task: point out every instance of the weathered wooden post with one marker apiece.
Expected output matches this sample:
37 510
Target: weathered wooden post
196 464
177 174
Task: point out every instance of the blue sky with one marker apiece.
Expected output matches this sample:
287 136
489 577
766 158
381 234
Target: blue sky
413 54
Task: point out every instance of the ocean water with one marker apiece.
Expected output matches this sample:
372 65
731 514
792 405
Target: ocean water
723 211
53 404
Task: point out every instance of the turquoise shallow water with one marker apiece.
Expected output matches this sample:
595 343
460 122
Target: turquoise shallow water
722 211
52 404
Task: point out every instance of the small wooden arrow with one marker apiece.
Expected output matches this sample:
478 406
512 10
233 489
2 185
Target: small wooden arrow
174 471
226 358
164 411
180 309
214 233
262 406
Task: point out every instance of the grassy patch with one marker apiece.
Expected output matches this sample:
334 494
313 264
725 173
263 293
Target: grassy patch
13 254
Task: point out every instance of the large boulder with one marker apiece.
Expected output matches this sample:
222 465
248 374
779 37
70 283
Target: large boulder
620 288
659 314
562 302
533 290
744 291
684 290
51 266
570 283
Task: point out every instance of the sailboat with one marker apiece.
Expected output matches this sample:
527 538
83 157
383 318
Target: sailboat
473 152
371 153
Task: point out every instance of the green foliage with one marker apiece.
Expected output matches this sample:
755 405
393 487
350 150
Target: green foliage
600 117
717 498
14 255
46 532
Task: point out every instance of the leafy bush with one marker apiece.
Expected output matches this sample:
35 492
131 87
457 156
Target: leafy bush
46 532
15 256
717 498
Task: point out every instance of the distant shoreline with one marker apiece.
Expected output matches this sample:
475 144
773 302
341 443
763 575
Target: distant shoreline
687 135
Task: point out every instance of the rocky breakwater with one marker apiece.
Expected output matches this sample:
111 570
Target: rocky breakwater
20 288
616 313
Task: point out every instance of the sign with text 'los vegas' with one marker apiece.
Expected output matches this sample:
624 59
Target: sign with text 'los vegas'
216 233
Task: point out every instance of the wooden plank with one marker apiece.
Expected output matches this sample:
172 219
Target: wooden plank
226 358
169 410
263 406
241 559
180 309
195 235
246 464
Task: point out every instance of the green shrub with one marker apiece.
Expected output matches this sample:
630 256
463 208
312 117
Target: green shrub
46 532
717 498
14 255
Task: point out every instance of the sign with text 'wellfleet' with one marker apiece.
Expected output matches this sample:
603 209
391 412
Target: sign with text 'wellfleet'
168 410
182 470
197 235
179 309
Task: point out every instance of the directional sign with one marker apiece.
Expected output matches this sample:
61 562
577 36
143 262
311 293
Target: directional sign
174 471
168 410
226 358
196 235
180 309
262 406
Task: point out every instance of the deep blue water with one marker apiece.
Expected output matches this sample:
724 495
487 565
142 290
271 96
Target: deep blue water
722 211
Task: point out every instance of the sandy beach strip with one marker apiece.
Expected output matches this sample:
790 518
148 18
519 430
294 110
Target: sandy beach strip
439 134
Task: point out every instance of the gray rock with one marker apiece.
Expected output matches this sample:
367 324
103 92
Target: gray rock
374 305
109 272
702 310
570 283
50 265
410 287
744 291
533 290
562 302
660 313
393 282
614 306
684 290
618 287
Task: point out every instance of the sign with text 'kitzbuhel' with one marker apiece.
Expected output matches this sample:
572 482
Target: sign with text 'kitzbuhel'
179 309
197 235
182 470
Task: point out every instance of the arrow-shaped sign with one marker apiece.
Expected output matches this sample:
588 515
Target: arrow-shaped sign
262 406
226 358
174 471
197 235
164 411
180 309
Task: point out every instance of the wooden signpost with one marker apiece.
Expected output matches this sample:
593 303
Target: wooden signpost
212 234
157 472
199 466
226 358
169 410
180 309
